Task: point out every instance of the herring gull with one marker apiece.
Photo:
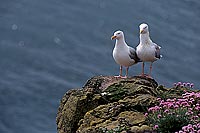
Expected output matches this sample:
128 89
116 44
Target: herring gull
123 54
147 51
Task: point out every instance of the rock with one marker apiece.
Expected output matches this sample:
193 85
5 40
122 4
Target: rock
106 103
142 129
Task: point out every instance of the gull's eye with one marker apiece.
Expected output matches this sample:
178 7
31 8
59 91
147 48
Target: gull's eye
145 27
118 33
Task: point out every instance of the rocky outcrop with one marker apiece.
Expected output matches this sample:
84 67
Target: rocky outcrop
107 103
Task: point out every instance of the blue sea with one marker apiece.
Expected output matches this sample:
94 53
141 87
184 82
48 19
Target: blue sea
50 46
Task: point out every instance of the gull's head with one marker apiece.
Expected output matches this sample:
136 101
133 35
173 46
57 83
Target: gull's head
143 28
117 35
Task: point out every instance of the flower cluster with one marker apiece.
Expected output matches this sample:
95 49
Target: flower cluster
180 84
190 128
185 112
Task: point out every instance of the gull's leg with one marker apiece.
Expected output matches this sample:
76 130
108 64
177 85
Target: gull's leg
126 76
142 68
120 72
150 70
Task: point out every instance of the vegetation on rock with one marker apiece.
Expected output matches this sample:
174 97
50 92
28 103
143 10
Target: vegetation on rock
176 114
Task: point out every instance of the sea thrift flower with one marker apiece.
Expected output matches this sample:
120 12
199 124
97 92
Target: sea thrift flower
159 99
187 107
166 111
175 84
179 83
176 106
182 86
188 84
198 95
191 85
156 127
192 99
159 115
146 114
153 109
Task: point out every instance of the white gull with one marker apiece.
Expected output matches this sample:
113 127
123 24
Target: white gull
123 54
147 51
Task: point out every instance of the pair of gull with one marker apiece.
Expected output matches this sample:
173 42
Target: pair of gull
126 56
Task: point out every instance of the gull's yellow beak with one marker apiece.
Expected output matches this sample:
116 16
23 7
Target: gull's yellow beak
141 31
113 37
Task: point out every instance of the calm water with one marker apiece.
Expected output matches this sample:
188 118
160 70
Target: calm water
48 47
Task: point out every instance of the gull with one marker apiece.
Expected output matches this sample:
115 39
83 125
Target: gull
147 51
123 54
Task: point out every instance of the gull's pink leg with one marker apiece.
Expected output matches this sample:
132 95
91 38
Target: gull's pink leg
150 70
126 76
142 68
120 72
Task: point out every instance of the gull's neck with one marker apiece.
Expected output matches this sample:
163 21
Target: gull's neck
120 42
144 38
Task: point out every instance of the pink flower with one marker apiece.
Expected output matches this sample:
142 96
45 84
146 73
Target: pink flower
189 125
184 104
190 109
159 115
175 84
198 125
197 108
156 127
170 105
182 100
190 102
188 84
191 85
198 95
182 86
192 99
154 109
174 99
176 106
146 114
195 117
184 128
166 111
158 99
178 103
179 83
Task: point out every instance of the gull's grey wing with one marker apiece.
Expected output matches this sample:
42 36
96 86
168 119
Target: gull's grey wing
133 54
157 53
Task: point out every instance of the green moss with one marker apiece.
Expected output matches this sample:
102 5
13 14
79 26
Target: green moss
166 93
116 92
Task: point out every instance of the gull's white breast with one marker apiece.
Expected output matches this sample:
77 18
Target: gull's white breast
146 52
121 56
